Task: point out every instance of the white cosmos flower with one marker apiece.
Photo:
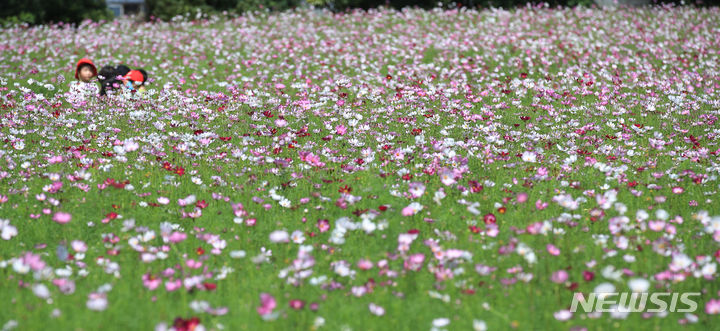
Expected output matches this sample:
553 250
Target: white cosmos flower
523 249
338 236
97 301
479 325
368 226
611 273
41 291
130 146
662 214
318 322
237 254
439 195
298 237
376 310
441 322
531 258
20 267
604 289
709 269
562 315
279 236
639 285
529 157
680 262
713 225
447 178
619 312
7 231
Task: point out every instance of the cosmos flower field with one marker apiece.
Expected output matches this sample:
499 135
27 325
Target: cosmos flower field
408 169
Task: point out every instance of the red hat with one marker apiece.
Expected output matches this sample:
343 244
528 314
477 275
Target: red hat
85 61
135 76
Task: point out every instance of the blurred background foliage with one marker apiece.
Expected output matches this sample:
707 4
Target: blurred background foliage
74 11
45 11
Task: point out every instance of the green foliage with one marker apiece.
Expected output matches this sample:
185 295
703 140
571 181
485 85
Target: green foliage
275 5
167 9
43 11
73 11
585 3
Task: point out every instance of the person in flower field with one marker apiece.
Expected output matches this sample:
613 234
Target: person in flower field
135 80
83 87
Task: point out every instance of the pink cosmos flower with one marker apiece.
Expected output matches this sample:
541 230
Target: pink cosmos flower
66 286
168 272
484 270
414 262
151 282
712 307
489 218
404 241
172 285
177 237
311 159
542 171
412 209
192 264
364 264
280 123
540 205
131 146
267 304
62 217
559 276
188 200
79 246
340 130
656 225
34 261
522 197
55 159
296 304
552 249
492 230
323 225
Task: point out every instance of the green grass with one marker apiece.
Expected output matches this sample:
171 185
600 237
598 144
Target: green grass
386 112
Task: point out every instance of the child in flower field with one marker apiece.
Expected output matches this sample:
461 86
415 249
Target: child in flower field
135 80
83 87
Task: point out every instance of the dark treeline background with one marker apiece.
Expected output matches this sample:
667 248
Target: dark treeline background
73 11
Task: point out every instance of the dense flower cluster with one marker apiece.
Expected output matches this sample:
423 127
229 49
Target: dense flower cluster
309 168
